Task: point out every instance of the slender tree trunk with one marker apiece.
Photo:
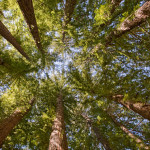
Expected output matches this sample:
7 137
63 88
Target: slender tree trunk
7 125
114 4
9 37
98 133
138 107
68 11
58 139
124 129
27 9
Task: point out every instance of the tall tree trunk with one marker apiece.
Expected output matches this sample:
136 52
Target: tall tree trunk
98 133
68 11
58 139
114 4
138 107
124 129
140 16
7 125
9 37
27 9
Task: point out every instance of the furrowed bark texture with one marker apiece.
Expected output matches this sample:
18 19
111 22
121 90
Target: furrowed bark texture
27 9
138 107
7 125
58 139
98 133
139 17
124 129
68 11
9 37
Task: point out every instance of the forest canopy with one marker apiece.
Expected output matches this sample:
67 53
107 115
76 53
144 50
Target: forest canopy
74 74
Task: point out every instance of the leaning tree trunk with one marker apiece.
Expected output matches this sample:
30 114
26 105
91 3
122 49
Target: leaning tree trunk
113 5
7 125
9 37
58 139
138 107
68 11
27 9
132 136
97 132
140 16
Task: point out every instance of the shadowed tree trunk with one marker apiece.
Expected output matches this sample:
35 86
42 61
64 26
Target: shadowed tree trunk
7 125
97 132
68 11
124 129
27 9
9 37
114 4
58 139
2 62
138 107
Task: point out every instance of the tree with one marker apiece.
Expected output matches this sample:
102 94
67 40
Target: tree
28 12
6 125
58 139
83 57
98 134
136 139
6 34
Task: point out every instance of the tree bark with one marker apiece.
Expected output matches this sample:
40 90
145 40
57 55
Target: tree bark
27 9
7 125
124 129
114 5
68 11
138 107
140 16
9 37
98 134
58 139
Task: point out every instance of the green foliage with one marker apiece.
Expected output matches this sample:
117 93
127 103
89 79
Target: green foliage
86 68
102 14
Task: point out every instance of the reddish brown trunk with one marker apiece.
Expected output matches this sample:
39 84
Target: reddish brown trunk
27 9
140 16
99 135
138 107
124 129
7 125
8 36
58 140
